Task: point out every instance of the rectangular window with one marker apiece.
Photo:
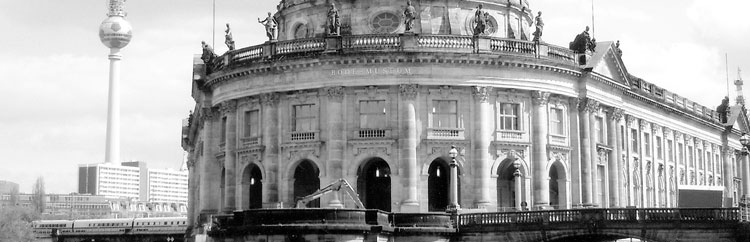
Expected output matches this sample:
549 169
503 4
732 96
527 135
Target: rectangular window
691 161
304 117
658 148
444 114
647 144
670 150
508 113
681 153
557 127
372 114
599 126
622 138
700 159
634 140
223 130
252 127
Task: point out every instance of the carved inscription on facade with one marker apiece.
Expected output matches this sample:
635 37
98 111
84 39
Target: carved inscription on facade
371 71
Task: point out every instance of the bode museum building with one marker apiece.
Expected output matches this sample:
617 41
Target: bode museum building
378 93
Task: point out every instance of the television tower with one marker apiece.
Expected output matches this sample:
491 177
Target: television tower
115 33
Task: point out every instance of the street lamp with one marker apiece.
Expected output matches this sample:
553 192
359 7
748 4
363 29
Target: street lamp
453 206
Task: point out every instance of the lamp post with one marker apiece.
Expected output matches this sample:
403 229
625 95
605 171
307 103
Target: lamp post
517 180
453 206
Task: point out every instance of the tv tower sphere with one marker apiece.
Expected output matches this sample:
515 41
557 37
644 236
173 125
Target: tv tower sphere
115 32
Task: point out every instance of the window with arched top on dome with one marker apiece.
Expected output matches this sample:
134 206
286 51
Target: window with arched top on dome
300 31
385 23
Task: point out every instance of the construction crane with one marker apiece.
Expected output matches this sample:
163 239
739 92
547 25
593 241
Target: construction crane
335 186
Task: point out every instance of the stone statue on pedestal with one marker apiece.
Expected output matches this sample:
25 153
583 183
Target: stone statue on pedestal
270 24
208 53
410 14
480 21
539 27
228 39
583 42
333 22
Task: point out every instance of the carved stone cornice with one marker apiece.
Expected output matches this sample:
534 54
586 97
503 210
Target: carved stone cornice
616 114
655 128
644 124
667 132
540 98
408 91
481 94
269 99
228 107
335 93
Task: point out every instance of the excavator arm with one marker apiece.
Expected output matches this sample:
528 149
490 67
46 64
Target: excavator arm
335 186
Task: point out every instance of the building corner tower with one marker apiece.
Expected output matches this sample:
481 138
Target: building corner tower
115 33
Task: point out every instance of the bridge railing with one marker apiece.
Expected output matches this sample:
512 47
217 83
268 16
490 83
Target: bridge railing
610 214
392 43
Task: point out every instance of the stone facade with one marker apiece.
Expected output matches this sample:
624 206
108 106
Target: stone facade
534 129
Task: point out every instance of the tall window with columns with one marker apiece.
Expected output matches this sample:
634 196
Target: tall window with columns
304 117
509 116
252 123
372 114
445 114
556 124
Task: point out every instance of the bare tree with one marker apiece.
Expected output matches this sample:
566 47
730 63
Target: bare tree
38 195
15 224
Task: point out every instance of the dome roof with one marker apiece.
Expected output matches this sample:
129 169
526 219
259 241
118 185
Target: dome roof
115 32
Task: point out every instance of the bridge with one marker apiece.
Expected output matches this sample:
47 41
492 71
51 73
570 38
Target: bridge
607 224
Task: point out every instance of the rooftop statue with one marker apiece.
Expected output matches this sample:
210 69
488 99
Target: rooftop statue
480 20
333 22
270 24
228 39
208 56
617 49
208 53
723 109
539 27
583 42
410 14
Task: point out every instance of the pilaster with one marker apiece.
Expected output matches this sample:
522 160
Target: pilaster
587 107
614 140
336 139
228 109
270 126
539 149
482 158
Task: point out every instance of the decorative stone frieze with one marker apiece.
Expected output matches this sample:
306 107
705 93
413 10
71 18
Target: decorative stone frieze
644 125
269 99
616 113
408 91
667 132
228 107
335 93
655 128
481 94
540 97
631 121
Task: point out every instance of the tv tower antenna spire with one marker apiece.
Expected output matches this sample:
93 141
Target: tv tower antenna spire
115 33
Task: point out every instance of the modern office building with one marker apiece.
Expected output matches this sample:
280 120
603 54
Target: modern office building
133 180
536 126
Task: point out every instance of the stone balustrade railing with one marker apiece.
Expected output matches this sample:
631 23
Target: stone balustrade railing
391 43
615 214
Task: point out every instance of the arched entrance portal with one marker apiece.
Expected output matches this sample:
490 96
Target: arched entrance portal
252 187
374 184
437 185
507 190
558 186
306 182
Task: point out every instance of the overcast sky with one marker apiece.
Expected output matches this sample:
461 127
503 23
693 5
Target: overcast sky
54 70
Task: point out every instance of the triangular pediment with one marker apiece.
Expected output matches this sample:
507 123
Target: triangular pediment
606 62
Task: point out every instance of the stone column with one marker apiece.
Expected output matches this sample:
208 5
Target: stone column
727 175
408 147
192 188
336 139
519 188
587 107
745 174
270 139
614 140
484 127
209 194
229 110
539 149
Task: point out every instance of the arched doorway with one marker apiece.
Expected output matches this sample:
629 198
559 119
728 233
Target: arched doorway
374 184
252 187
437 185
506 186
558 196
306 182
